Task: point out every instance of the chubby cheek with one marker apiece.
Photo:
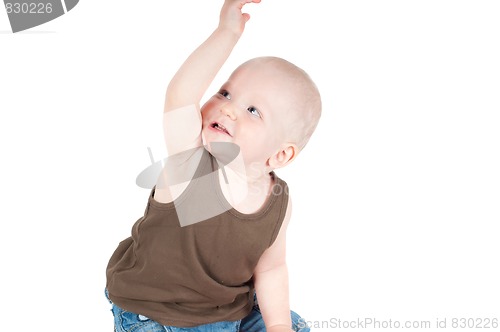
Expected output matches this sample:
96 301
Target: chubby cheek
257 144
208 110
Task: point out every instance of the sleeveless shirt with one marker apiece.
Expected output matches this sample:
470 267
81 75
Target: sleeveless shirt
200 273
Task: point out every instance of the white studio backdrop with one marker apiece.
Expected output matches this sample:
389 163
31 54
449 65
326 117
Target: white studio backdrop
396 197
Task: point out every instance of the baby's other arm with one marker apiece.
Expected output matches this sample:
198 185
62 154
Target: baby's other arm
187 87
271 282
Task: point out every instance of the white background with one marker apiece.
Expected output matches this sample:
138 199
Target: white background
396 197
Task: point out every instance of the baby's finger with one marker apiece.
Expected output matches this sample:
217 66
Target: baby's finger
244 2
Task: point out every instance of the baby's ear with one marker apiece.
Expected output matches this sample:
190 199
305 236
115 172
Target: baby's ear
284 156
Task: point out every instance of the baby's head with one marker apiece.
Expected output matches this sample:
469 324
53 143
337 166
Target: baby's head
268 107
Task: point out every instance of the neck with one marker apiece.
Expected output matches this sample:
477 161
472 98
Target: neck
243 182
239 172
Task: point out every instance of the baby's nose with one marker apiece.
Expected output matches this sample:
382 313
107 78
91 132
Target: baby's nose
228 111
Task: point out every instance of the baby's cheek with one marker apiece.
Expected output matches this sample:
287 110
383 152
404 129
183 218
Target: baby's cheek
273 137
210 104
205 110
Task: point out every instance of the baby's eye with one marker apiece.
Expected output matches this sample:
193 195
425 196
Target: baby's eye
225 94
252 110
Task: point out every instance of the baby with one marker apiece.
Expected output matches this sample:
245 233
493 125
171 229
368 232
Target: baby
212 239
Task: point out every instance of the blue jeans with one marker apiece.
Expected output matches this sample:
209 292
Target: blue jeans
130 322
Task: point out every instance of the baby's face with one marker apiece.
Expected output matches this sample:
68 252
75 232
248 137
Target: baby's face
249 110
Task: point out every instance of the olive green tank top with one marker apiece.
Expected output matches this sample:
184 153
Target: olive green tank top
200 273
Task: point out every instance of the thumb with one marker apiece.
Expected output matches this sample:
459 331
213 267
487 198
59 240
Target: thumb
246 17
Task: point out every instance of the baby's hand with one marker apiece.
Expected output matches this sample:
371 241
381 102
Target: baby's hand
231 16
279 328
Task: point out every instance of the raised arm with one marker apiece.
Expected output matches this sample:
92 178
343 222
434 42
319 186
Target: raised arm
189 84
181 117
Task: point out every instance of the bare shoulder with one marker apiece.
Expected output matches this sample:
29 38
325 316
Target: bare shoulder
177 172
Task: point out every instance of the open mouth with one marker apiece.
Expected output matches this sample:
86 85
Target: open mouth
219 127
